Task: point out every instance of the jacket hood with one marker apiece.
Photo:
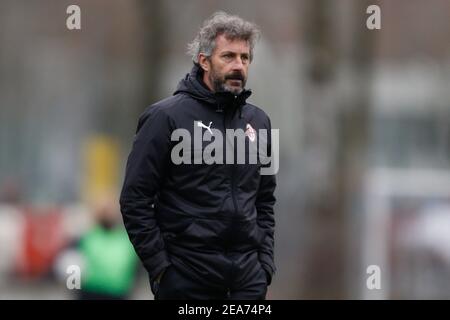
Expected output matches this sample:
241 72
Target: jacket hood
192 85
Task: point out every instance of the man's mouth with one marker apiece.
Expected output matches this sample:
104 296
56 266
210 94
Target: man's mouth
235 82
235 76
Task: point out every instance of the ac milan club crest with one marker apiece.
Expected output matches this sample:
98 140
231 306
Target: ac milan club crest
250 132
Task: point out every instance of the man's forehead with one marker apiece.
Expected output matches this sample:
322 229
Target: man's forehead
226 44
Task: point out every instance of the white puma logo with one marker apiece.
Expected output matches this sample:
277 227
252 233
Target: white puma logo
200 124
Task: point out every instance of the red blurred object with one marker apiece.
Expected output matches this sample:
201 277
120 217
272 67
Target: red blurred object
41 240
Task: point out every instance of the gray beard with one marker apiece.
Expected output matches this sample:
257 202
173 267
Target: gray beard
232 90
220 86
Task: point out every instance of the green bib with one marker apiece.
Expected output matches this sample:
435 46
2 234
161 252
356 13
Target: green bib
110 261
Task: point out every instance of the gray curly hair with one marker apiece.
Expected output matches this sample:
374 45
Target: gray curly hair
233 27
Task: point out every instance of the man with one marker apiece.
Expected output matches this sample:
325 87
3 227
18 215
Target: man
203 230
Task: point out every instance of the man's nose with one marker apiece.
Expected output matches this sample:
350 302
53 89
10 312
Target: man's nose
238 64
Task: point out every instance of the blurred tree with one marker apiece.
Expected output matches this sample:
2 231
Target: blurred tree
335 141
155 50
353 144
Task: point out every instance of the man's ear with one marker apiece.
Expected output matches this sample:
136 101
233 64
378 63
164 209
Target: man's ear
203 61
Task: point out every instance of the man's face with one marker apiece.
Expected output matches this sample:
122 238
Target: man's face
228 65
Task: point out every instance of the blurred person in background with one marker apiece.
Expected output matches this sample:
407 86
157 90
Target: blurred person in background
203 231
105 255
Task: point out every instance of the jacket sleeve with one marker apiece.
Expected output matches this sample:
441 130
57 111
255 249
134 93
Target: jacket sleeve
145 170
265 202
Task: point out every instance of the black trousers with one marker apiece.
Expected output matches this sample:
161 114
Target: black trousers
176 285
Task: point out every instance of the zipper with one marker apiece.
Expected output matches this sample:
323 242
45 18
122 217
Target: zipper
232 174
235 156
233 168
233 190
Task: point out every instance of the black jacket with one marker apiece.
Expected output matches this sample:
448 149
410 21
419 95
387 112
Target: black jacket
201 217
